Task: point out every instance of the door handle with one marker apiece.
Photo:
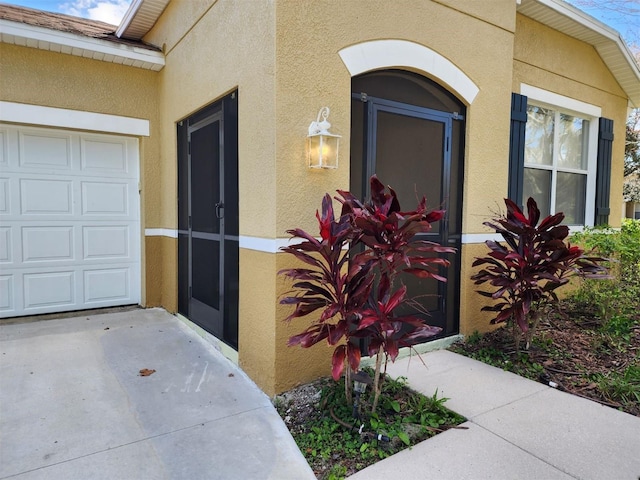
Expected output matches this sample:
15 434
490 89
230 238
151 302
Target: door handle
219 210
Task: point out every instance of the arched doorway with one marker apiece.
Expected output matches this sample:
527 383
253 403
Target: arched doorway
410 132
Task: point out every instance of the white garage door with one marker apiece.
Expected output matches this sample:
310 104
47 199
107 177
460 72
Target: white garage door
69 221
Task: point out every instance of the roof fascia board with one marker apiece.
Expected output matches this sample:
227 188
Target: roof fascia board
593 24
609 38
128 17
73 41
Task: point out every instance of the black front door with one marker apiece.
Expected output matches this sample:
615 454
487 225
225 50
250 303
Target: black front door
208 219
409 148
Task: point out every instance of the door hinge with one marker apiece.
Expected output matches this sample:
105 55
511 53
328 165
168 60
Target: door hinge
457 116
189 221
189 147
363 97
190 291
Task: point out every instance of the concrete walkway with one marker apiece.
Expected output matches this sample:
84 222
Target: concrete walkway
73 405
517 429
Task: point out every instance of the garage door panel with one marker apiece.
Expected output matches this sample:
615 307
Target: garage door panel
105 198
69 221
103 156
7 297
106 284
41 244
46 197
5 196
6 250
49 289
38 150
102 242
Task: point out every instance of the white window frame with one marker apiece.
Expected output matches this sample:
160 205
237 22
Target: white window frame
592 113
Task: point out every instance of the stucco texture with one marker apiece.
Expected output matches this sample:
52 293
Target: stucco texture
310 74
204 62
282 57
286 67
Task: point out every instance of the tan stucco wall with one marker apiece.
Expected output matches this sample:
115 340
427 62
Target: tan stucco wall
204 62
213 48
309 78
161 257
38 77
548 59
283 58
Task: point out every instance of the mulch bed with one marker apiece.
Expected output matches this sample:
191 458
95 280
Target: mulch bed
571 350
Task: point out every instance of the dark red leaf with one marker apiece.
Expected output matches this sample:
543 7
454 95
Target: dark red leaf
337 361
353 352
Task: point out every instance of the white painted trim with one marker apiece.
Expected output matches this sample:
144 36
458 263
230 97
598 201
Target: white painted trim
273 245
128 17
160 232
259 244
468 238
74 44
584 110
75 119
556 100
480 237
379 54
268 245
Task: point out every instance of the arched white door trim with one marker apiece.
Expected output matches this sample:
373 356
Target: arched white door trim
380 54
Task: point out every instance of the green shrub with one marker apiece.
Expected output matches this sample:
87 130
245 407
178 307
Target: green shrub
615 301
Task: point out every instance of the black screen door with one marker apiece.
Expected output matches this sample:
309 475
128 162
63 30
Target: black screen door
208 221
409 148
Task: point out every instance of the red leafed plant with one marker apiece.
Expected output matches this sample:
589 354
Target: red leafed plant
349 278
529 267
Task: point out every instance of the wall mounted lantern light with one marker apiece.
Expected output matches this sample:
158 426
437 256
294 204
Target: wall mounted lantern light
322 145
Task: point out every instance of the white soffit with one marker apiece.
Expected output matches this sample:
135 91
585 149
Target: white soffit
608 43
140 18
16 33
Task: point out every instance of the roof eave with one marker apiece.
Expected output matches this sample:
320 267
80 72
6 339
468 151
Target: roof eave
73 44
608 42
141 16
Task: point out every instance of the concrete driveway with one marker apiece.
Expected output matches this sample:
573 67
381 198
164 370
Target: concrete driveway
73 405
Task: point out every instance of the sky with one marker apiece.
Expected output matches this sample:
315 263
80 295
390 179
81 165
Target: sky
623 15
109 11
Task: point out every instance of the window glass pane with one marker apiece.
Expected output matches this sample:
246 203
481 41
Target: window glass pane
539 136
537 184
571 193
572 134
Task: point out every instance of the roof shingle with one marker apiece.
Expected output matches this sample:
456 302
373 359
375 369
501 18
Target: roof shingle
67 23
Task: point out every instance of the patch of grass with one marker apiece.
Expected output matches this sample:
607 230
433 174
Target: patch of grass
620 387
518 363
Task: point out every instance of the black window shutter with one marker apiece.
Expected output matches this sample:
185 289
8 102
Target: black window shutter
516 146
603 177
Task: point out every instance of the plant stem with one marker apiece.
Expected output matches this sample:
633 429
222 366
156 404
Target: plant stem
347 383
376 380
